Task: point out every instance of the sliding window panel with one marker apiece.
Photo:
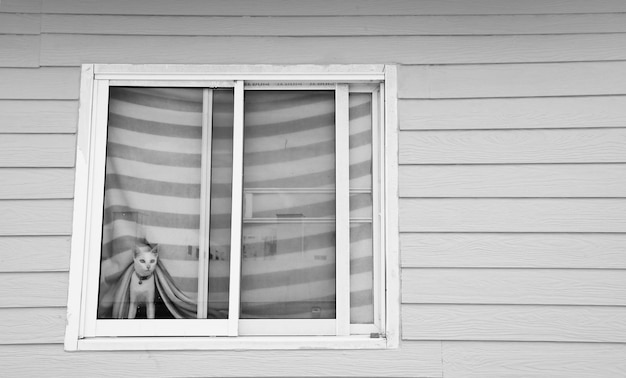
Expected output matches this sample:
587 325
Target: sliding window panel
150 233
288 235
164 164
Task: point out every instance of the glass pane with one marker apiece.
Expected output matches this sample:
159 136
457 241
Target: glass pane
288 266
361 236
150 243
221 203
151 203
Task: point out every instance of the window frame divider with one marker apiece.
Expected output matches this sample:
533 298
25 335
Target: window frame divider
234 289
342 211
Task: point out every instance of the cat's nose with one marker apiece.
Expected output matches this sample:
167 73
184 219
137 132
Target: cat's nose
148 267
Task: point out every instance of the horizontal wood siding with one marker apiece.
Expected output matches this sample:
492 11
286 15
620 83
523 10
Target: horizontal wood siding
513 146
513 113
74 49
50 83
513 80
515 286
20 23
512 182
530 359
515 323
414 359
36 116
34 254
25 326
33 289
512 215
37 150
21 6
513 250
36 217
331 7
19 50
332 26
34 183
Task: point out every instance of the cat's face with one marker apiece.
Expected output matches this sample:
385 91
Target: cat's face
145 260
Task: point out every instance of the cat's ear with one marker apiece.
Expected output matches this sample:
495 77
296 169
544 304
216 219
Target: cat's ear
136 251
155 249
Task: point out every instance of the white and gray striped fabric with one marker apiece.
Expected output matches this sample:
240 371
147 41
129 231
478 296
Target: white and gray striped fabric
152 195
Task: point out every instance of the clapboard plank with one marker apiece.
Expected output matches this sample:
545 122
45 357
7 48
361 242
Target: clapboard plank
514 323
23 116
414 359
32 325
333 26
534 360
37 150
41 83
34 183
20 6
450 250
513 146
19 23
34 253
330 7
513 80
72 50
514 286
532 180
35 217
19 50
513 113
512 215
47 289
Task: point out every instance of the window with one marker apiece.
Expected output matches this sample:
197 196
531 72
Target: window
234 207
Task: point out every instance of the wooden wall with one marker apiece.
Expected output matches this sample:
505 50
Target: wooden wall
512 176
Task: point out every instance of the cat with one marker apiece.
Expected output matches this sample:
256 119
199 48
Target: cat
142 285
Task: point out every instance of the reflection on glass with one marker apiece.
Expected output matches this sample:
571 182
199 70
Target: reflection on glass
288 266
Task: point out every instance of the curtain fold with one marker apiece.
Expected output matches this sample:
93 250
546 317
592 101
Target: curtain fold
178 304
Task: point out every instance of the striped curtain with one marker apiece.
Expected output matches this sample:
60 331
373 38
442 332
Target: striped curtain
152 196
152 187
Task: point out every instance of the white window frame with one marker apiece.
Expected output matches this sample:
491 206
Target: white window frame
91 141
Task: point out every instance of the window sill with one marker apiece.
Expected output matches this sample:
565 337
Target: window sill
226 343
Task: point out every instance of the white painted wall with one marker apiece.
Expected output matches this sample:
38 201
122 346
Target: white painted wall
512 174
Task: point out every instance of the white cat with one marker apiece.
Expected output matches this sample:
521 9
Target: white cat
142 285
